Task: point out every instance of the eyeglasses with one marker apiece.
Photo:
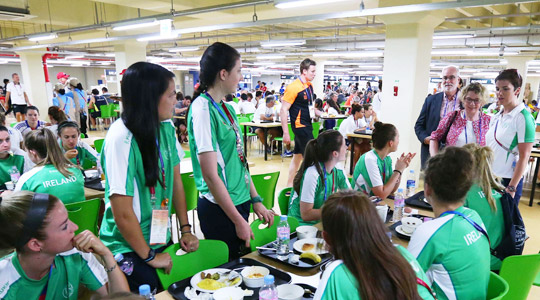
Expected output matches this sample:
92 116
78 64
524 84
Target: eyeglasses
472 101
451 77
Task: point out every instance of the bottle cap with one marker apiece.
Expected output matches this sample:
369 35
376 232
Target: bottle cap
144 289
283 218
119 257
269 279
400 190
411 171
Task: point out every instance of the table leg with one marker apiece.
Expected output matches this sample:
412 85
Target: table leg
265 143
245 141
533 188
351 139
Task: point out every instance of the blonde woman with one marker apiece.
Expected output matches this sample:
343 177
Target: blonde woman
465 126
485 197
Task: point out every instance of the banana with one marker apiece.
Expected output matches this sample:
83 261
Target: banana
310 255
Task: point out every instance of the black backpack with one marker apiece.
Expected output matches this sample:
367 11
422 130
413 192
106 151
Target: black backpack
514 235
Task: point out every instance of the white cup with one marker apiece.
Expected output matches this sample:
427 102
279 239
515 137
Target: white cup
306 232
10 185
382 210
409 224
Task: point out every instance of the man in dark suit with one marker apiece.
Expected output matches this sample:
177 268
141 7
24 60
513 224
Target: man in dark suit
435 107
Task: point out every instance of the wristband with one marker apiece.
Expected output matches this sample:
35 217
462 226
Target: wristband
511 188
398 171
185 226
109 270
257 199
151 255
184 232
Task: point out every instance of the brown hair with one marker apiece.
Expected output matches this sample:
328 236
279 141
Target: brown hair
13 211
357 236
44 143
57 114
476 88
356 108
512 76
450 174
382 134
305 64
2 118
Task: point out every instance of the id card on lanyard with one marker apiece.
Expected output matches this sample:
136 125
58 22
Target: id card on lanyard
160 213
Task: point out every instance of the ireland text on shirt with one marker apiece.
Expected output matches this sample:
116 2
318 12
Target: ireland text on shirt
55 182
472 237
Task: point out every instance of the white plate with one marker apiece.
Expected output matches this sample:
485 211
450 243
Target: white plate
197 278
298 246
400 231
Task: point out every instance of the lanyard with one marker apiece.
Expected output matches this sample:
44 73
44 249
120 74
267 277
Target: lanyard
424 284
164 184
44 291
478 139
308 93
384 172
502 146
473 223
325 182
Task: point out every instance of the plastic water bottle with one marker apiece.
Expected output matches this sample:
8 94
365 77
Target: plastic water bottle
268 291
125 264
411 184
283 238
399 203
14 174
144 290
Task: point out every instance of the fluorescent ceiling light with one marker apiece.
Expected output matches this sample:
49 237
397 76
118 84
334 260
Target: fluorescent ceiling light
493 53
109 54
284 4
369 67
249 49
449 52
503 61
333 62
7 59
534 62
42 37
487 74
349 54
283 43
184 49
158 37
338 69
452 36
136 24
74 56
271 56
263 63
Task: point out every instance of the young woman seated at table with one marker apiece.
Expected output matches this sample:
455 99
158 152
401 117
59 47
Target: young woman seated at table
49 261
373 173
57 116
317 109
318 176
354 122
332 110
367 265
453 249
77 151
53 173
13 162
485 197
370 117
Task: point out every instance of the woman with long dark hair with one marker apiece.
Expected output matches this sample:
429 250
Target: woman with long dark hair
141 160
220 167
367 265
318 176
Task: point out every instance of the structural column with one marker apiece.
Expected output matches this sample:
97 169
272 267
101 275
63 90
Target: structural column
318 82
126 54
33 79
407 56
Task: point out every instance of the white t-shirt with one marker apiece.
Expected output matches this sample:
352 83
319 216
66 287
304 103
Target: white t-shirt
235 106
246 107
377 103
263 110
16 138
467 136
332 111
349 125
16 93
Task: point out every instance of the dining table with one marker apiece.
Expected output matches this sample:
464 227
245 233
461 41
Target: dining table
351 137
265 126
312 276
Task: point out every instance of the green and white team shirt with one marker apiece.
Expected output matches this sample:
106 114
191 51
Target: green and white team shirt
338 282
86 155
48 180
312 190
209 131
371 171
18 159
123 167
513 128
493 220
70 269
454 255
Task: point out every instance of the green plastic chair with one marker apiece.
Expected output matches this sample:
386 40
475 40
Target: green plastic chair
245 120
351 181
85 214
316 129
537 280
98 145
280 139
250 116
187 154
266 184
191 193
106 111
211 253
497 287
283 200
88 164
520 271
268 234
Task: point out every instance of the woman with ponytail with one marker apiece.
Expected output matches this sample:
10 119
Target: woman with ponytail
318 176
57 116
219 164
53 174
485 197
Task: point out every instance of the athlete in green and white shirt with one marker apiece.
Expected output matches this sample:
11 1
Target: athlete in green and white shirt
338 282
70 269
454 255
86 155
493 220
371 171
48 180
16 158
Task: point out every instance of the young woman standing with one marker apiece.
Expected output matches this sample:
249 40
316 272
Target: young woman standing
220 167
141 161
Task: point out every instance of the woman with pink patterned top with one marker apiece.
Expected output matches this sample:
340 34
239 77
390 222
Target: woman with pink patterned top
468 125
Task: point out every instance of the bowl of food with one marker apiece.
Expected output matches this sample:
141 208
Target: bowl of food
290 292
306 232
229 293
254 276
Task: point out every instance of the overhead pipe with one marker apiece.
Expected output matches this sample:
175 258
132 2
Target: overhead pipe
44 61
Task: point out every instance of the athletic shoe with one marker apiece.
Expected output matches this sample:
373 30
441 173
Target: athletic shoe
287 153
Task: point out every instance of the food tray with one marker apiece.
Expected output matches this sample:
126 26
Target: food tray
406 237
177 289
303 264
417 200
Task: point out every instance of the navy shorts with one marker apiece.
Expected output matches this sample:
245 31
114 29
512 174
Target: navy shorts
301 137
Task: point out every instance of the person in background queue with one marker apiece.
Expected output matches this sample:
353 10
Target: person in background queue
141 161
295 105
220 166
